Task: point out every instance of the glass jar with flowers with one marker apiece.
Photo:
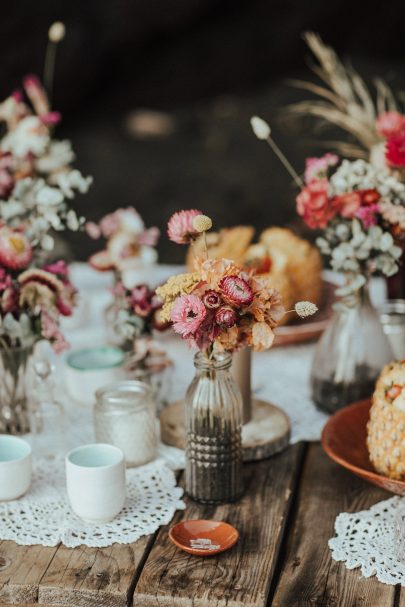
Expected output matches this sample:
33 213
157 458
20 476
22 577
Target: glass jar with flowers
36 183
219 308
348 202
136 323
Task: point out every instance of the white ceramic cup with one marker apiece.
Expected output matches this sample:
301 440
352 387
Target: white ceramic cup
95 480
15 467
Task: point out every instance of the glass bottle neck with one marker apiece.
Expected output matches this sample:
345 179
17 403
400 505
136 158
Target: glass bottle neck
219 361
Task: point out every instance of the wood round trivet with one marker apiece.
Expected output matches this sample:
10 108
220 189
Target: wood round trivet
267 433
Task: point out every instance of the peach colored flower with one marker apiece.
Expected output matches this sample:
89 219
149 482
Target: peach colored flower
262 336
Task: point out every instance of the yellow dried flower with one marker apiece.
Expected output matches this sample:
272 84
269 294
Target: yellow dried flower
181 284
305 308
57 31
202 223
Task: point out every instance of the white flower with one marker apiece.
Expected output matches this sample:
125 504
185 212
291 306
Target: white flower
260 127
72 221
49 196
305 308
47 242
57 31
60 155
71 181
29 136
10 209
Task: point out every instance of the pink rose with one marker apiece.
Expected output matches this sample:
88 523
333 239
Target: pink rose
389 124
314 206
347 204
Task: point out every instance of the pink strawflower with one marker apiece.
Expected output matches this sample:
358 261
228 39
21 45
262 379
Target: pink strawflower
317 168
36 94
60 268
50 331
10 300
149 237
226 317
314 206
15 249
187 314
395 150
51 118
5 279
236 290
212 299
180 228
92 229
390 123
368 215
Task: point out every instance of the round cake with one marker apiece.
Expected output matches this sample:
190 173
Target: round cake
386 427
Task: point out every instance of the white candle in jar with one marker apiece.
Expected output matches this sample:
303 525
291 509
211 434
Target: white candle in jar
124 416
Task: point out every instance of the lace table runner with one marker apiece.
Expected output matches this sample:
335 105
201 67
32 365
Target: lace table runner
367 539
43 515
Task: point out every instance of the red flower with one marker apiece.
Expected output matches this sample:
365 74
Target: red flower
369 197
347 204
236 290
314 206
212 299
226 317
15 249
395 150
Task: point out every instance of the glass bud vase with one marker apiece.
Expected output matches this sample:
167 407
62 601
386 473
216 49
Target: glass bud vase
213 426
14 414
350 354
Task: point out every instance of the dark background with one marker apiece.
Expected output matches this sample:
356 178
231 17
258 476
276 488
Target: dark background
208 65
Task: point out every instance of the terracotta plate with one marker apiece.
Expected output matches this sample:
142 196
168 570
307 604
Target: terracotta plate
302 331
344 440
203 538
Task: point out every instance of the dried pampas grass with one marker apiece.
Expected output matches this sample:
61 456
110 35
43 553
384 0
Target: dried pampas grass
345 100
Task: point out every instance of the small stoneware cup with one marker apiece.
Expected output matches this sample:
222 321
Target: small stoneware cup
95 480
15 467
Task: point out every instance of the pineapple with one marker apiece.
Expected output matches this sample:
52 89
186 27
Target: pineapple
386 426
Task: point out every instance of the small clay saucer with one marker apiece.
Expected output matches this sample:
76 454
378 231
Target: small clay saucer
203 538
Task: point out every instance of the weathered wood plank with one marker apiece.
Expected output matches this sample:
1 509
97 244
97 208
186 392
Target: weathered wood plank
93 577
242 575
308 574
21 568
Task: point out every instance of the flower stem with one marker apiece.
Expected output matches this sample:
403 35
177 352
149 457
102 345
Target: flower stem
49 68
287 165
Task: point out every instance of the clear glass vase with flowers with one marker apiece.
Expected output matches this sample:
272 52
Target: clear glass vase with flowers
218 308
350 205
37 184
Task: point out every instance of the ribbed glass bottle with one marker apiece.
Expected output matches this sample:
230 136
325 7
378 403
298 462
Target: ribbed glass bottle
213 424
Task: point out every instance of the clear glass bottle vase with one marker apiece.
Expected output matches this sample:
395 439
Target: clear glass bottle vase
14 369
213 426
350 354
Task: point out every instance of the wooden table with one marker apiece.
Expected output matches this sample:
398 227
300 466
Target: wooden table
285 518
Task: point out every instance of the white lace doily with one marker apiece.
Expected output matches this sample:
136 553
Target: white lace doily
43 515
366 539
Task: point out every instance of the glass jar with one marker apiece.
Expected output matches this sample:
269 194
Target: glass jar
392 316
14 369
213 427
350 354
124 416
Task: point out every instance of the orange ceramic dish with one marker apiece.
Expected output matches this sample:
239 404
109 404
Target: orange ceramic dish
203 538
344 440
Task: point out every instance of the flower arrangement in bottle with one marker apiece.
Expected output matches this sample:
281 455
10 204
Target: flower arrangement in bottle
218 308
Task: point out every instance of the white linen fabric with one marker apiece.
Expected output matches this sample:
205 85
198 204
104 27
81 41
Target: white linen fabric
367 539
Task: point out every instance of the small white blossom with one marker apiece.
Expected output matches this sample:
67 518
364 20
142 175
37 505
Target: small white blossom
260 127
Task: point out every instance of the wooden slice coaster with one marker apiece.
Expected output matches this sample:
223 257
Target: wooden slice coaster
267 433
